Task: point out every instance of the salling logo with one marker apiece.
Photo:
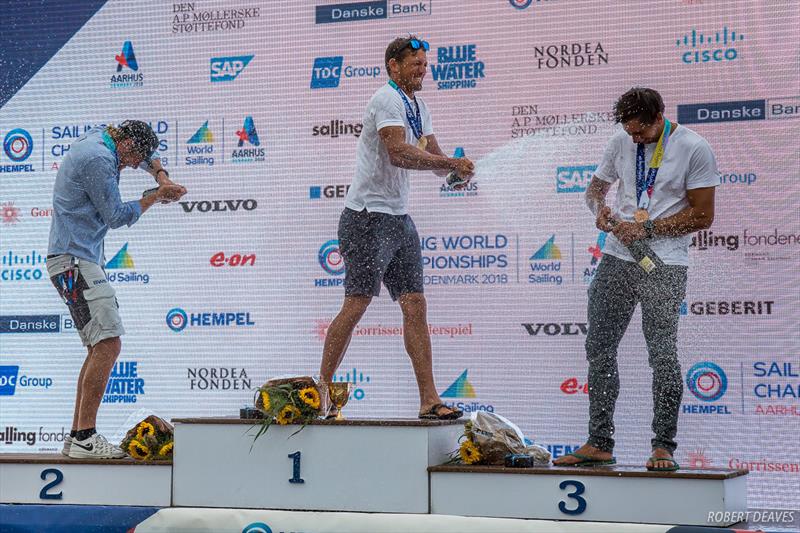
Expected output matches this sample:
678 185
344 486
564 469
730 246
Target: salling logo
17 267
570 55
228 68
457 67
200 147
381 9
124 384
574 178
218 378
703 48
219 206
9 213
331 261
462 388
122 260
127 60
219 259
10 380
337 128
178 319
328 71
708 383
18 146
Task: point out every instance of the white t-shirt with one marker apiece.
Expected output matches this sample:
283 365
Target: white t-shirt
688 164
378 185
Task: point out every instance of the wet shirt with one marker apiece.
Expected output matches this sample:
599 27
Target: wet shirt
688 164
86 199
378 185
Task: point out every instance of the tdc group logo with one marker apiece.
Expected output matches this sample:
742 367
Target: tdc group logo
708 383
332 262
328 71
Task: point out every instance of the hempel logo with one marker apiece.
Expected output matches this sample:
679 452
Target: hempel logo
357 11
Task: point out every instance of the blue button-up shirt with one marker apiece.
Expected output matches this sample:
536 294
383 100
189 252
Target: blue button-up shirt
86 199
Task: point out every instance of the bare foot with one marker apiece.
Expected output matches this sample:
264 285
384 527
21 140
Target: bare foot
659 454
585 450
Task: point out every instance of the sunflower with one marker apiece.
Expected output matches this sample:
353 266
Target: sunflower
138 450
469 452
145 429
288 414
265 402
166 449
310 397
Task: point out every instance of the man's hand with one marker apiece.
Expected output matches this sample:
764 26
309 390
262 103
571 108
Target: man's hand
627 232
463 167
170 193
603 221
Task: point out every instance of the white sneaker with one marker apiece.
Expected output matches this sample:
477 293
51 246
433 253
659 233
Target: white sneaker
95 447
67 444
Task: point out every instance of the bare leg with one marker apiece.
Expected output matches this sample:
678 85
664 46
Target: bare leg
338 339
79 389
97 369
418 345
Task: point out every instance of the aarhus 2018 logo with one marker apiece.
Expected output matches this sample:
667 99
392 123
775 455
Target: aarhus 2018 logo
332 262
178 319
708 383
251 152
124 384
127 60
574 178
545 264
122 260
200 147
228 68
462 388
457 67
709 47
327 72
596 251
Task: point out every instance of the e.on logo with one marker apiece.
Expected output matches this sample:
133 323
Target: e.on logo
219 259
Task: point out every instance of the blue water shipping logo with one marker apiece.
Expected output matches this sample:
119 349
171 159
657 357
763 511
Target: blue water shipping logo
457 67
358 11
574 178
228 68
703 47
328 71
124 384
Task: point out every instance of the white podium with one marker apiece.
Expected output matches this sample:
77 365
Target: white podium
55 479
349 465
597 494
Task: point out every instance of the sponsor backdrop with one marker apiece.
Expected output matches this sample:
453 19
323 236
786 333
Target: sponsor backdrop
259 109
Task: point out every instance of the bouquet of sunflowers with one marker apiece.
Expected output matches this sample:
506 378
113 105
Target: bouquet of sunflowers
489 437
287 401
149 440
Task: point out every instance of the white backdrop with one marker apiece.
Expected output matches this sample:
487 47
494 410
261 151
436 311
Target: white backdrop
507 262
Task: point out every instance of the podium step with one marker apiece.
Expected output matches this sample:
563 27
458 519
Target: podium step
55 479
350 465
616 493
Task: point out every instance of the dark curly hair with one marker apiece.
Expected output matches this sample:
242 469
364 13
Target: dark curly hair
638 103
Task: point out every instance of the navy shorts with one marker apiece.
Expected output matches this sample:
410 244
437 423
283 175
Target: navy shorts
380 248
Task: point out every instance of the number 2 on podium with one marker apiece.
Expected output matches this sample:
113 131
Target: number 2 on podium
295 457
580 488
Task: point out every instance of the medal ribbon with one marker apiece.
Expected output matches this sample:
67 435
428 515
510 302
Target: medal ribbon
414 119
646 183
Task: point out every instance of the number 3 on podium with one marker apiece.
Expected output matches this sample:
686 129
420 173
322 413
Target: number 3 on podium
580 488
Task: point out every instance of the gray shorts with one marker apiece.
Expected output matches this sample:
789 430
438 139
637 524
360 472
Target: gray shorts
378 247
90 298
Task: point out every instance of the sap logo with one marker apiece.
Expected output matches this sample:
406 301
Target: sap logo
316 192
204 206
228 68
722 112
219 260
552 329
574 179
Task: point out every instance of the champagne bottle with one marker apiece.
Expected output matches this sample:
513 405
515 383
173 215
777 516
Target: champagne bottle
644 256
452 178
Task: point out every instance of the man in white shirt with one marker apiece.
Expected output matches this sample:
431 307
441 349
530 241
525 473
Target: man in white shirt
377 238
667 175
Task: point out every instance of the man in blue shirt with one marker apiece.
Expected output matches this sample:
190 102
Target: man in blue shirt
86 203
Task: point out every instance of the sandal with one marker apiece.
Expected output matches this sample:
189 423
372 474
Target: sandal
433 413
587 460
672 468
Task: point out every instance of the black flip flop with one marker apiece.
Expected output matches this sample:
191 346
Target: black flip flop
432 413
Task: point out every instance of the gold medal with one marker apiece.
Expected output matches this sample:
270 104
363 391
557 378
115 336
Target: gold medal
641 215
422 142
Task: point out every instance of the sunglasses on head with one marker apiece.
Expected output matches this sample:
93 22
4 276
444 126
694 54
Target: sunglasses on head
416 44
